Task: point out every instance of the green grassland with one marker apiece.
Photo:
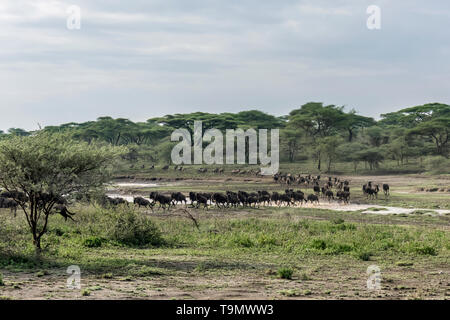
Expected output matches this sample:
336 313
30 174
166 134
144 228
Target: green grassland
164 254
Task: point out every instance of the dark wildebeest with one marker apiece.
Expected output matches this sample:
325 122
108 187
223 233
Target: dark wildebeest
298 196
16 195
243 197
275 197
161 199
8 203
316 189
192 198
232 198
346 196
201 199
264 197
313 198
178 197
285 198
386 189
329 194
220 199
253 198
372 193
141 202
62 210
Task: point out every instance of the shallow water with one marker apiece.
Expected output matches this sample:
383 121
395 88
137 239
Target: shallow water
135 184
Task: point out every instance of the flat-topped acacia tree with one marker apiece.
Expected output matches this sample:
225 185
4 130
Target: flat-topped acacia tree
38 170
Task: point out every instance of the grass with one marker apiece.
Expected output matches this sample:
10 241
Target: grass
285 273
243 242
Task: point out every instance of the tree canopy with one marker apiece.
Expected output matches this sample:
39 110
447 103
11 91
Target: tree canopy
44 169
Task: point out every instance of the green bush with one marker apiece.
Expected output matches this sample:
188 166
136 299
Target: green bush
2 283
437 164
243 241
319 244
285 273
131 228
364 255
93 242
425 250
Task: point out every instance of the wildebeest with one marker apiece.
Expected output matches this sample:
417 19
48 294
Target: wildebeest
329 194
243 197
178 197
201 199
220 199
313 198
16 195
298 196
316 189
253 198
232 198
8 203
63 211
106 201
264 197
275 197
164 201
386 189
343 196
141 202
372 192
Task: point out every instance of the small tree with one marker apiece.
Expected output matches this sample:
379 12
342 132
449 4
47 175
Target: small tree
39 170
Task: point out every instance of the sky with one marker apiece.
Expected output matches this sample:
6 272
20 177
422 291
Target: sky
139 59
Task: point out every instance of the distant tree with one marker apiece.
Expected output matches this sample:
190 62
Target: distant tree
18 132
351 152
377 136
329 149
430 120
291 142
353 121
41 169
317 121
372 156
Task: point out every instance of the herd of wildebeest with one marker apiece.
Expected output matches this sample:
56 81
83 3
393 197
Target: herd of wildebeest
331 189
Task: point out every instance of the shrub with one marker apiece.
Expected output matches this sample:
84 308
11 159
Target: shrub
243 241
319 244
85 293
131 228
426 250
338 221
285 273
93 242
364 255
437 164
2 283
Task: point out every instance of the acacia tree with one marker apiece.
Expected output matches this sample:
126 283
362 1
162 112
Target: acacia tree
41 169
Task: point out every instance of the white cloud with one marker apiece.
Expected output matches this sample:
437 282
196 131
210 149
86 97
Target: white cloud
138 59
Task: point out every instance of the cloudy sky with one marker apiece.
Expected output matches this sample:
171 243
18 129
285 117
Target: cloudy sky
143 58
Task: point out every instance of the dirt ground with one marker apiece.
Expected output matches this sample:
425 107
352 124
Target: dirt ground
330 279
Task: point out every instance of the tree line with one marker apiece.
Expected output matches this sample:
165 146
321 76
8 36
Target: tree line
325 134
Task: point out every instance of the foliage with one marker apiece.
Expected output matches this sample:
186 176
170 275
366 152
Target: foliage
132 228
41 169
306 133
